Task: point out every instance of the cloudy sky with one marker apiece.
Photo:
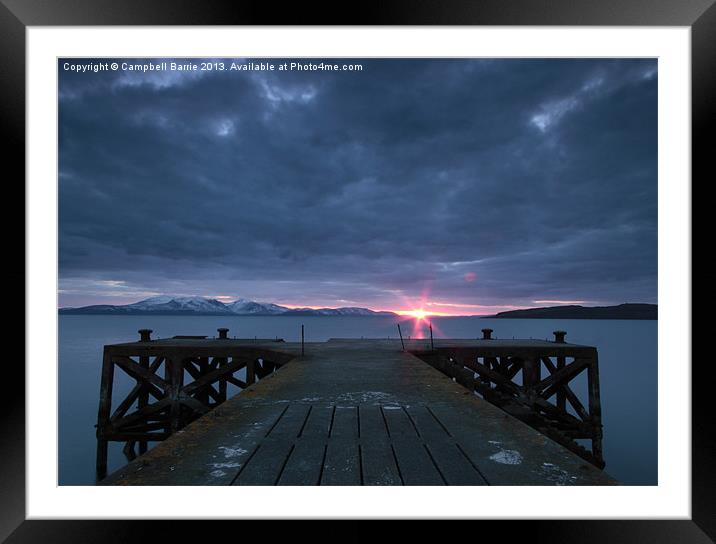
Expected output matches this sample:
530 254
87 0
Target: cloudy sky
464 186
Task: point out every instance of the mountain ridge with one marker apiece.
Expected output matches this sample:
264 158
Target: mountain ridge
194 305
575 311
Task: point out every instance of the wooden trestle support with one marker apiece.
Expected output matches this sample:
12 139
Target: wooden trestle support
177 381
492 371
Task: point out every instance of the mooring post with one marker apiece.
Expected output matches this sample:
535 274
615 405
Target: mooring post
487 334
223 333
302 348
401 337
432 347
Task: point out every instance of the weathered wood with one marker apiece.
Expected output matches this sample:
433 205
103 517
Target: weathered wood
595 407
291 422
133 368
176 371
414 462
454 467
359 412
143 398
213 376
531 372
305 464
564 392
345 422
141 415
378 464
318 422
529 401
398 422
266 465
342 463
551 384
105 406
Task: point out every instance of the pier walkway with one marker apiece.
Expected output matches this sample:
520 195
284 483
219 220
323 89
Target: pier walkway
349 412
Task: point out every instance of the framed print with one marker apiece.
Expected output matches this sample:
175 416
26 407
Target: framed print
393 267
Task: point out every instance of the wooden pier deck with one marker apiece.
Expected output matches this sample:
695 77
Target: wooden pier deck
355 412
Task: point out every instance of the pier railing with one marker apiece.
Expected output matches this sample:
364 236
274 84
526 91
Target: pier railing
177 381
533 383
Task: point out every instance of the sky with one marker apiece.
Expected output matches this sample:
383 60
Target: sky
462 186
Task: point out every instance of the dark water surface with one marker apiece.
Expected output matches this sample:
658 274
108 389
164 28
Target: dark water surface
627 364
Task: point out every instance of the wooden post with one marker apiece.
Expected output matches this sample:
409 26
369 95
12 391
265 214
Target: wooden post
401 337
531 373
250 372
204 368
222 382
432 347
561 363
143 399
168 379
302 349
595 406
105 407
176 373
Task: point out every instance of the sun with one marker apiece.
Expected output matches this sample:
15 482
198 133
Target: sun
418 314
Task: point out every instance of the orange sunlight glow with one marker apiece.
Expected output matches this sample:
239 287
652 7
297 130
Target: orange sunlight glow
417 314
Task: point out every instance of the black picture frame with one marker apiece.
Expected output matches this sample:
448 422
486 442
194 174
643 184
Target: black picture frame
16 15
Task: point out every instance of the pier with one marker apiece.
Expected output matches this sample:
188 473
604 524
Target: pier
352 412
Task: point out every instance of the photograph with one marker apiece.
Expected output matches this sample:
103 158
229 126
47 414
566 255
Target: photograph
356 271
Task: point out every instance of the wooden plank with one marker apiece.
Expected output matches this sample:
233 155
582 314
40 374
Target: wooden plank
415 465
350 379
291 422
305 463
453 465
266 464
319 422
372 423
399 424
342 463
428 427
345 422
378 463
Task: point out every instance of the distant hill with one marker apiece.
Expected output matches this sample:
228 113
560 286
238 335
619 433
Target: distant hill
622 311
173 305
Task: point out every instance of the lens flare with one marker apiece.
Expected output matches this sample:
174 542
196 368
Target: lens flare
418 314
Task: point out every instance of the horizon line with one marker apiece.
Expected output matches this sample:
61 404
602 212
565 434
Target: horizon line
414 312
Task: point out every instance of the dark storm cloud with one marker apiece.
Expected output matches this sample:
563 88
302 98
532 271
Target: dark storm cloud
536 178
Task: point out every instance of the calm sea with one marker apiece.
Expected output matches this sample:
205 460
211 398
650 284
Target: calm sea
627 362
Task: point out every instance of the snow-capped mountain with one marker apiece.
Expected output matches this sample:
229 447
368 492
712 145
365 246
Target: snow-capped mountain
176 305
179 304
335 311
243 306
